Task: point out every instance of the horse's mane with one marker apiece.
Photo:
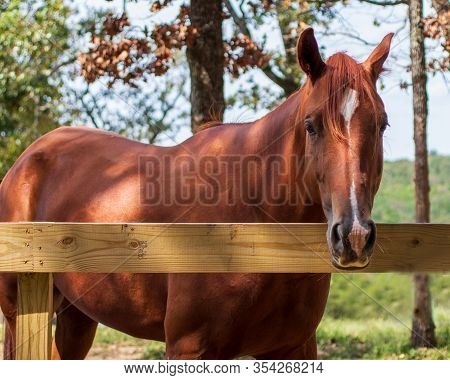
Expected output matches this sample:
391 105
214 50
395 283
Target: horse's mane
344 72
209 124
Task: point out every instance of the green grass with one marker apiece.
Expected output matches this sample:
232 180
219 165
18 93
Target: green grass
362 296
367 338
378 339
344 338
338 339
154 351
150 349
106 335
383 338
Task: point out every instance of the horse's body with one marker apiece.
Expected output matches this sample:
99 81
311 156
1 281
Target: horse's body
224 308
85 175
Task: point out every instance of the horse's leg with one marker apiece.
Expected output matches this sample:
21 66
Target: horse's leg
9 343
306 351
8 304
189 320
190 348
186 339
74 333
309 349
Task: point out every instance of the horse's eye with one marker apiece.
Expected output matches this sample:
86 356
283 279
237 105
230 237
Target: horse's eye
310 127
384 126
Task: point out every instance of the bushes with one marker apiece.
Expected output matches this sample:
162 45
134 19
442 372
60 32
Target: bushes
395 200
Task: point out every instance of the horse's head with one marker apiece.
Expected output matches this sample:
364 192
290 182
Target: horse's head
343 119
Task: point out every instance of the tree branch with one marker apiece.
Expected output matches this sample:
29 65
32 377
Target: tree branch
350 35
267 70
238 20
282 82
89 111
62 64
384 2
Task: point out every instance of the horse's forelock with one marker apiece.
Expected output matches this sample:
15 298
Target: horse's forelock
344 72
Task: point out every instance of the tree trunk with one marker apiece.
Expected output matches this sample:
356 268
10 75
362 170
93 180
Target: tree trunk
422 326
206 63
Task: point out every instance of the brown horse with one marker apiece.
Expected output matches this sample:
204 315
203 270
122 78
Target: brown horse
317 157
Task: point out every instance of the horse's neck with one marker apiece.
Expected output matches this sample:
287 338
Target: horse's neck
284 138
280 127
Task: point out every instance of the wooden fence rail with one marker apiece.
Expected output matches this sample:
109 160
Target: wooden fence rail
140 248
35 250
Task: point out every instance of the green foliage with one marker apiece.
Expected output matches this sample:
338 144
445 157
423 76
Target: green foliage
395 200
33 39
440 188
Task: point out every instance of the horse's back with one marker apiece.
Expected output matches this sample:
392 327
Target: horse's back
81 174
69 174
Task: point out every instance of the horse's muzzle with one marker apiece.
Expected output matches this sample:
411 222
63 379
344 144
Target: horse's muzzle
351 243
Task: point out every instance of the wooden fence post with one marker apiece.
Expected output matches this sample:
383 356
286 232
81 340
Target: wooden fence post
34 316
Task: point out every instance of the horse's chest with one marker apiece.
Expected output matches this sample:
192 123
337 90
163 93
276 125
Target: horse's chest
289 311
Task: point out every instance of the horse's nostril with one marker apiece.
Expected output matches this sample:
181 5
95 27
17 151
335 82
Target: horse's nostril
336 238
372 236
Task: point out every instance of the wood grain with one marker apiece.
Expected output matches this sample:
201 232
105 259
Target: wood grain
152 248
34 314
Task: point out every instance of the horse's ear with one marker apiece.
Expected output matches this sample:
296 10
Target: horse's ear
374 64
308 55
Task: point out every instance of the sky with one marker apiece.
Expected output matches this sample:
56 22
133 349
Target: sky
356 19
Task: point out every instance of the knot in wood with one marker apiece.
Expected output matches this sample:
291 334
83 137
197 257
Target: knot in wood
134 244
415 242
66 242
140 246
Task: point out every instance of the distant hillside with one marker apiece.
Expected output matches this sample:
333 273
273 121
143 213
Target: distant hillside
395 200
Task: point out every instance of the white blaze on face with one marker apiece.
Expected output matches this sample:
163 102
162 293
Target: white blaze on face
348 107
358 233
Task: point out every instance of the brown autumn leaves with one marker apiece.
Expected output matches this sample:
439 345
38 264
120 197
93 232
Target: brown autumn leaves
438 28
114 53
